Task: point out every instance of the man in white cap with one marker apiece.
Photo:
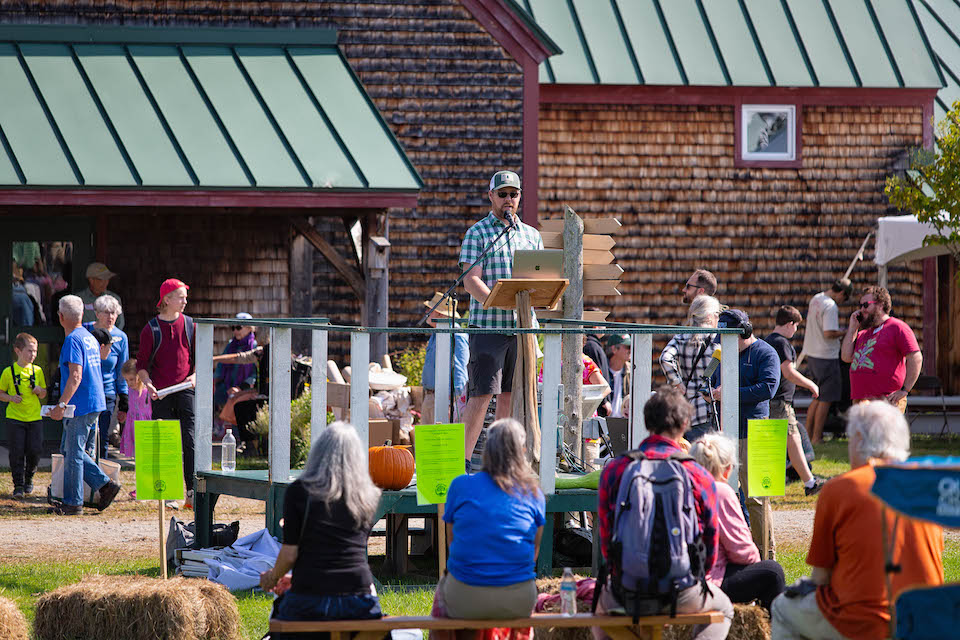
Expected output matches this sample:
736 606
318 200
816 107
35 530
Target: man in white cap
492 356
98 276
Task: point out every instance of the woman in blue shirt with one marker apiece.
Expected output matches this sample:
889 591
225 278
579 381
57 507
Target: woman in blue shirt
108 309
494 524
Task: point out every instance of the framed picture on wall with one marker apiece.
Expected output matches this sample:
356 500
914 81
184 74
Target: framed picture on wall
768 134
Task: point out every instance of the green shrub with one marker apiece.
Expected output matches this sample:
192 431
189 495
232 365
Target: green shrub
299 427
409 363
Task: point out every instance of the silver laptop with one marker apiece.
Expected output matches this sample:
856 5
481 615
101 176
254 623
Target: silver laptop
543 263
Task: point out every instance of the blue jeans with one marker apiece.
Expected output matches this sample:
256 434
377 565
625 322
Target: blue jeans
104 428
78 467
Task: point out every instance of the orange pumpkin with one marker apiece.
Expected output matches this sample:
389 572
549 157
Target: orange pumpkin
391 467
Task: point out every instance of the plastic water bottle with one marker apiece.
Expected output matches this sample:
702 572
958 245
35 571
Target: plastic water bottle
228 453
568 593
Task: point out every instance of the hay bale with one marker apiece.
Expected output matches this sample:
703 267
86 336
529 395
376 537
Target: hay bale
131 607
13 626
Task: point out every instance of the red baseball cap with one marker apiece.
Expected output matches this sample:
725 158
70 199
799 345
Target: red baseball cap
170 284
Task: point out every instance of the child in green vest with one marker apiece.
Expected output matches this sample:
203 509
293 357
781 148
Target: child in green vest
22 386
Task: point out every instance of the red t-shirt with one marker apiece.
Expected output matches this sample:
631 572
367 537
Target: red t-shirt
174 361
878 367
848 540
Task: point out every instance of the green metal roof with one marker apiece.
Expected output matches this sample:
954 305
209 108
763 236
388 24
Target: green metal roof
783 43
132 107
941 21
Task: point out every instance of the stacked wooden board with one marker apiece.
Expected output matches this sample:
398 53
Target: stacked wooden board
601 276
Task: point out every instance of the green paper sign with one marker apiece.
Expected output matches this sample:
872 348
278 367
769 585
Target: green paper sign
159 456
439 453
766 457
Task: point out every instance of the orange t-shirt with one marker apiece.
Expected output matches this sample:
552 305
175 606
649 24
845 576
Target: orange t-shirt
847 539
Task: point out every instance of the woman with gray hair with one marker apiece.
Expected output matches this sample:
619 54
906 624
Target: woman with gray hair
327 516
108 309
685 358
494 523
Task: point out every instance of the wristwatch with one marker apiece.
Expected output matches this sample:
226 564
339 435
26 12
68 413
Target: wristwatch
62 405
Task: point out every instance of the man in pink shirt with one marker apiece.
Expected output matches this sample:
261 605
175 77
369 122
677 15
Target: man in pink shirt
884 357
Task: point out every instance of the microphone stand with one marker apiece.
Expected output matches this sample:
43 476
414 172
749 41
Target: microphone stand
483 256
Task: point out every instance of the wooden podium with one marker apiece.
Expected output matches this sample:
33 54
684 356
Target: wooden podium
523 295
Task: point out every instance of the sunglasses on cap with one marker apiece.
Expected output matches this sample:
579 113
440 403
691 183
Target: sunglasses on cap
508 194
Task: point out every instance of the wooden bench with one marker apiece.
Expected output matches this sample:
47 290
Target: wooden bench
617 627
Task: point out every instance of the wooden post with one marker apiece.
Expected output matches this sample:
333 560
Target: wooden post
551 407
524 392
571 366
442 372
641 367
360 386
301 286
163 546
765 550
730 396
279 454
203 400
318 383
376 274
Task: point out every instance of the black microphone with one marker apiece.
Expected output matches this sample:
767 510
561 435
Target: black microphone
511 219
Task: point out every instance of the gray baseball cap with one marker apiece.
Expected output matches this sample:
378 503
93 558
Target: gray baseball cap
504 179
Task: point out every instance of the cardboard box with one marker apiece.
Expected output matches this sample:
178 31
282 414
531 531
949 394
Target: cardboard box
380 432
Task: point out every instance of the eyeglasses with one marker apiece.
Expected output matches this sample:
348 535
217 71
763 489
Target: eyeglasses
864 305
236 327
508 194
690 286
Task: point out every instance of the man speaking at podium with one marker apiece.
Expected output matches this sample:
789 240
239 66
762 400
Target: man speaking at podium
492 356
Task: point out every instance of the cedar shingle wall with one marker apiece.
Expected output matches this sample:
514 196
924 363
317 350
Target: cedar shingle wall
450 93
231 262
771 236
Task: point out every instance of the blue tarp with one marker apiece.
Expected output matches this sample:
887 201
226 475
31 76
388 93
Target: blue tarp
925 487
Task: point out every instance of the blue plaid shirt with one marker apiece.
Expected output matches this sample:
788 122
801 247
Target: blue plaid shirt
497 265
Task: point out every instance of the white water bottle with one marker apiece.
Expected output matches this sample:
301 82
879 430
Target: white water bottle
568 593
228 453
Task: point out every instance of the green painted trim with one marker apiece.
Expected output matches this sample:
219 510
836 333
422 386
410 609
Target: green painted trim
800 43
526 17
673 45
49 114
583 42
326 119
843 42
162 118
273 121
383 124
714 43
626 38
926 41
5 143
756 43
550 74
216 116
105 34
883 41
105 116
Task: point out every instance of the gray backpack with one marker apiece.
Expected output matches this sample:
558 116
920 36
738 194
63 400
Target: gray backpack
657 548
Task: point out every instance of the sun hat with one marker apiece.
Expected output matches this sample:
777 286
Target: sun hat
445 307
170 284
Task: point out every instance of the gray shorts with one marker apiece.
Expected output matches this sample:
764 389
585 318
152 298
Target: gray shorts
826 373
492 360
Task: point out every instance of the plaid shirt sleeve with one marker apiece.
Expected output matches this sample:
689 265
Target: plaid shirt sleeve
471 247
607 501
668 362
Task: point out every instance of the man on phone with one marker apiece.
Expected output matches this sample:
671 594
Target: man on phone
883 353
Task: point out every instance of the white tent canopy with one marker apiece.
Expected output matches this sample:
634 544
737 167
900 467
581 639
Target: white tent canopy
900 238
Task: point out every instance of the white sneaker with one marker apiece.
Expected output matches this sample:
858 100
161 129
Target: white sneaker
171 504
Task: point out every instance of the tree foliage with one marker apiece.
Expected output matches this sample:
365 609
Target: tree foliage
931 188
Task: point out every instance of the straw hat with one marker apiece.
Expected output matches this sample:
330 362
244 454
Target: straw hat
444 309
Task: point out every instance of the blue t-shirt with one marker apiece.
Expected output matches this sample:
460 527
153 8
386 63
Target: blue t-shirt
493 531
81 348
113 382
